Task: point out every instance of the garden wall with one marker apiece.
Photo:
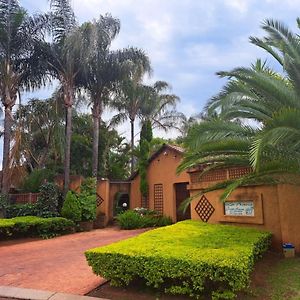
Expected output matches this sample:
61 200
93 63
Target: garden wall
275 208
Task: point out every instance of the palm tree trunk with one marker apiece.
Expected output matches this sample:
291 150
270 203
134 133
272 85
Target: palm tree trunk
132 146
96 113
68 135
6 150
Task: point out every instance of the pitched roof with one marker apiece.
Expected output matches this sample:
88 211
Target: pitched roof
175 148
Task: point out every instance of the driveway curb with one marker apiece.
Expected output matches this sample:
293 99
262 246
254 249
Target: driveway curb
31 294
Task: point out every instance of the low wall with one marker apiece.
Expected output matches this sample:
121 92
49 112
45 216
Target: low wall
274 208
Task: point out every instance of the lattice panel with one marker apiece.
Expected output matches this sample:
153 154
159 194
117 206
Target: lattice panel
204 209
100 200
215 175
238 172
158 198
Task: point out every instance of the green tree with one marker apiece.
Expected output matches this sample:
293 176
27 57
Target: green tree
105 69
20 38
145 140
254 121
65 57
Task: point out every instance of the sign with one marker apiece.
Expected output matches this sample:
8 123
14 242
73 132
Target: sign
241 208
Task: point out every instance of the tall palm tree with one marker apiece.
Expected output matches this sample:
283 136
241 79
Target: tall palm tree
129 99
20 36
105 69
65 58
159 107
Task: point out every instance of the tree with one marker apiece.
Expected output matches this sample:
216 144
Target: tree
145 140
129 99
20 38
256 119
65 58
159 107
105 69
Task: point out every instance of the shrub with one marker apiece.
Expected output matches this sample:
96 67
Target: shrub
48 200
88 207
71 208
34 226
88 186
88 200
189 257
35 179
20 210
142 218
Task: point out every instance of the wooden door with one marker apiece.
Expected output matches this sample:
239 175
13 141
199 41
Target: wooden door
182 193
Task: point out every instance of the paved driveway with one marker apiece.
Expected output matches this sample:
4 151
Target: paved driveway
56 264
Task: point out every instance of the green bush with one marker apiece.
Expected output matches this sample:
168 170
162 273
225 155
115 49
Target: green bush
34 226
132 219
21 210
71 208
35 179
88 207
49 200
189 257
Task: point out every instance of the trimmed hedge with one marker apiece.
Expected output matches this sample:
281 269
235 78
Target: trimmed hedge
189 257
21 210
131 219
34 226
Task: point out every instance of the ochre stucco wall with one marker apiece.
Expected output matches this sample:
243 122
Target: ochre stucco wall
161 170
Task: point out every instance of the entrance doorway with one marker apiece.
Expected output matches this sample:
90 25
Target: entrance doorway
182 193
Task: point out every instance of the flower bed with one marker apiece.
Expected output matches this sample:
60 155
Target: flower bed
34 226
189 257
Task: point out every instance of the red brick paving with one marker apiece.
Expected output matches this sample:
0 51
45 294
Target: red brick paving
56 264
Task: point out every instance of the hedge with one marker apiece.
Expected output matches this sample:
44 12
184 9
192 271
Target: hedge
34 226
190 257
131 219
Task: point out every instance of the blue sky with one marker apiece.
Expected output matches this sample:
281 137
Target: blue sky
187 41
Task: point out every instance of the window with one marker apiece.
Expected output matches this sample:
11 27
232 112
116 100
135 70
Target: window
158 198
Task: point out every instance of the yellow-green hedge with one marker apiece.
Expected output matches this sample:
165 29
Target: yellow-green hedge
34 226
189 257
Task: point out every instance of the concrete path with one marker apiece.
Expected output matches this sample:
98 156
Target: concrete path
56 264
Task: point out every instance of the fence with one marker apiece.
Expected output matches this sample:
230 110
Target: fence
23 198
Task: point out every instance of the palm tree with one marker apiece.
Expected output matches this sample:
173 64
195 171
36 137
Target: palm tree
65 58
20 36
159 107
265 100
129 99
105 69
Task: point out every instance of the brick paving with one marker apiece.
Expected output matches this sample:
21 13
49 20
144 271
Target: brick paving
56 264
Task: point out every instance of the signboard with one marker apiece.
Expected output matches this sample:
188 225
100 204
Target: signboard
239 208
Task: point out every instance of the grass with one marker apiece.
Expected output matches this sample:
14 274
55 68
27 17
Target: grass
274 278
284 280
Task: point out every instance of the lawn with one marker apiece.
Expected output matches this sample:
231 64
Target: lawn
189 257
274 278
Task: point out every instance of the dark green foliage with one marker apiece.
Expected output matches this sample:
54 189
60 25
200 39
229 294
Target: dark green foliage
35 179
71 208
49 200
21 210
88 186
145 140
88 207
34 226
87 199
131 219
146 131
190 257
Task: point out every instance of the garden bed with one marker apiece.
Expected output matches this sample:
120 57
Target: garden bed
189 257
30 226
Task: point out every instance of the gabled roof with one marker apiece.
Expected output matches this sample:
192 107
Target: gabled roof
175 148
